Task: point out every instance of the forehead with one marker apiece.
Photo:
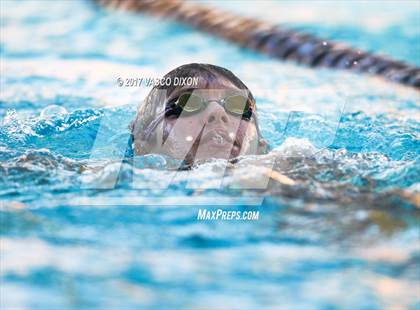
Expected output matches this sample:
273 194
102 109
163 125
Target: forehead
208 87
219 93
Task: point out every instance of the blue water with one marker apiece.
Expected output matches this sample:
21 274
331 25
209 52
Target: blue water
343 235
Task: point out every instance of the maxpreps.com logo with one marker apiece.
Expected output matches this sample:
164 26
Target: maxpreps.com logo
219 214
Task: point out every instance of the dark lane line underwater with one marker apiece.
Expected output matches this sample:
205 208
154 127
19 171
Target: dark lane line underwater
278 42
319 188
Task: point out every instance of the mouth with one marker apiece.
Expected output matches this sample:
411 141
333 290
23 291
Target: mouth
221 139
218 137
216 143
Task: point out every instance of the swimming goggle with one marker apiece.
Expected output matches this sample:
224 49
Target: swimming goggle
188 103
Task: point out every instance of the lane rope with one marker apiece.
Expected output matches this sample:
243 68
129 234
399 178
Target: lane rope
273 40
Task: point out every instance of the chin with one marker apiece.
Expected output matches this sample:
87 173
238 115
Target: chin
207 151
218 154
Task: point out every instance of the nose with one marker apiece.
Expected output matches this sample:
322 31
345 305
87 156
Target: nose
216 114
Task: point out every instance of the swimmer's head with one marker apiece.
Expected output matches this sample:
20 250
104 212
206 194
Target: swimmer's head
198 112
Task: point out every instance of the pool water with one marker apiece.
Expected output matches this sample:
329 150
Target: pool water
341 232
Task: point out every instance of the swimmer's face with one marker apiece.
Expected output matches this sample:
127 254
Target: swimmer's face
211 132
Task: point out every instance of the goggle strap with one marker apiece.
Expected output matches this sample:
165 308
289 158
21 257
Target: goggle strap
152 126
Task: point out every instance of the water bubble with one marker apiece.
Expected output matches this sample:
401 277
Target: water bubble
53 111
10 117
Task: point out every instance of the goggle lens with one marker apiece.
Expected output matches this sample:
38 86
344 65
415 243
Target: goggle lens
237 104
190 102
